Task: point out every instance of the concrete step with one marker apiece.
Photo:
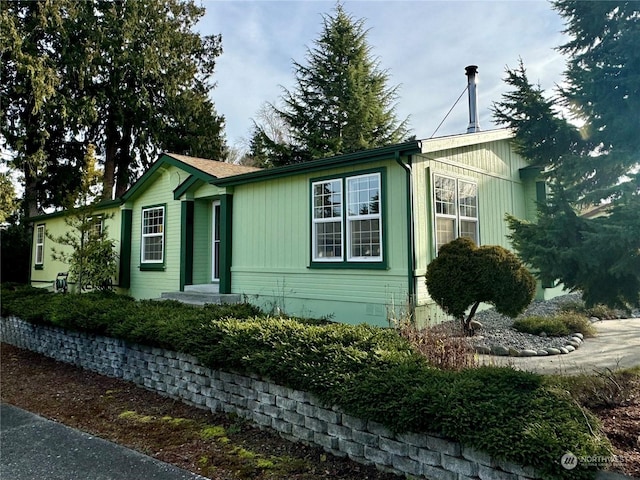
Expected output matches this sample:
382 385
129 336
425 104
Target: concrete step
202 288
199 298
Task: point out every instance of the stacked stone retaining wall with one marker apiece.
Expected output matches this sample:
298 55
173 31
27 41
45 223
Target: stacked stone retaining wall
295 415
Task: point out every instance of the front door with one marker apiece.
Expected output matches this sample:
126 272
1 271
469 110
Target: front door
215 254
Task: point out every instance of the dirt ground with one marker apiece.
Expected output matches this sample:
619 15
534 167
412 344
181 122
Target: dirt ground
215 446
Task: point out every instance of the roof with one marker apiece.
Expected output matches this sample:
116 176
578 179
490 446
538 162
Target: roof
214 168
390 151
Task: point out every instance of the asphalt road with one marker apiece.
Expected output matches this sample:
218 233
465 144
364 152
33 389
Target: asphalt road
32 447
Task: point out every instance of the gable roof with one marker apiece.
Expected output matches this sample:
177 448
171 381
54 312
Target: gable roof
214 168
198 168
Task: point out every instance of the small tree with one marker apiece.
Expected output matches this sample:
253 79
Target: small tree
464 275
92 261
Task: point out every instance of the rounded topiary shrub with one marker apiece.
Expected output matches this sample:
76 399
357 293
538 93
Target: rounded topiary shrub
464 275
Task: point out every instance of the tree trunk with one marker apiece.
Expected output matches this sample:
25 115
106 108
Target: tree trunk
111 151
467 329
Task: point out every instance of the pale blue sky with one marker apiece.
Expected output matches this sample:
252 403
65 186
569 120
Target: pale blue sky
424 45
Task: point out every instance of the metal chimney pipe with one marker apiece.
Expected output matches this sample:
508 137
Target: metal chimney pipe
472 79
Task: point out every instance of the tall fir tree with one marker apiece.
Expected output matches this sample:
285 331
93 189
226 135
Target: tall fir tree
596 164
130 76
341 102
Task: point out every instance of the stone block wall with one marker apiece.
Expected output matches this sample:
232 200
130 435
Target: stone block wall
295 415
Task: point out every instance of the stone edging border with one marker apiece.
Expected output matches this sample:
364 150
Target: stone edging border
574 342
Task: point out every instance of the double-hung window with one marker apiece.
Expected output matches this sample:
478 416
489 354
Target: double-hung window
456 209
39 260
347 219
153 223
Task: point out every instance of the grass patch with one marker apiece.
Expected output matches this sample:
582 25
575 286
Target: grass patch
602 388
555 326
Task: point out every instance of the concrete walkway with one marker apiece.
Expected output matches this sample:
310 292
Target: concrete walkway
32 447
617 345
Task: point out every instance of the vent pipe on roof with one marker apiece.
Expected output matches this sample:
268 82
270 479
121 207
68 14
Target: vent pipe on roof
472 79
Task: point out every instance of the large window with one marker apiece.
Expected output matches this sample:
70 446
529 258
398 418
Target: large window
152 248
39 246
347 219
456 209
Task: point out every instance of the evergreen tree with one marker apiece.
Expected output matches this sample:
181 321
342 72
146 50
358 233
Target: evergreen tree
341 102
598 163
130 76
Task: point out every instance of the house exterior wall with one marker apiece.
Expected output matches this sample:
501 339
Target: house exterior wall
55 226
272 250
494 167
157 192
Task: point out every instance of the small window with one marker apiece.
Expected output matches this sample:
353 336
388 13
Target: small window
39 245
152 248
94 228
347 219
456 209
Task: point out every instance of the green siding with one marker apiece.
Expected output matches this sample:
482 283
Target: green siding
272 247
158 191
55 226
202 242
495 169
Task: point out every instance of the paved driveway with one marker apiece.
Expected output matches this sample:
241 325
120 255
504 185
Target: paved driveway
616 345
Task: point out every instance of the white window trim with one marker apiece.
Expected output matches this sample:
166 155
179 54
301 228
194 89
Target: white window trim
39 260
457 218
316 221
345 222
149 235
370 216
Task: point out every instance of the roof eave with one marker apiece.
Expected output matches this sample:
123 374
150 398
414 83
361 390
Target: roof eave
390 151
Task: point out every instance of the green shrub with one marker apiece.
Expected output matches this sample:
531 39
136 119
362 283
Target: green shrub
463 275
367 371
555 326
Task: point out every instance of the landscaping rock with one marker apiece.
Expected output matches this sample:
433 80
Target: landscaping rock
528 353
553 351
564 350
499 350
569 348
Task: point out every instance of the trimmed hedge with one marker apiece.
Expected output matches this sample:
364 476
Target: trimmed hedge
367 371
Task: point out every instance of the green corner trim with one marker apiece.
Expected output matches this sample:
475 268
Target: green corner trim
126 223
184 187
186 243
226 222
165 160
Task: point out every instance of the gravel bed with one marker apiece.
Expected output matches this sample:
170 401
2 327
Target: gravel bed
497 335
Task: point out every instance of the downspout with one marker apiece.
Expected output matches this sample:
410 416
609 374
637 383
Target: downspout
411 256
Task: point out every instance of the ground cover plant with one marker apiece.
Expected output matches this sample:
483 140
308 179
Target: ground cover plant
556 325
367 371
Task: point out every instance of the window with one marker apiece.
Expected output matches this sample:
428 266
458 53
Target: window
94 229
39 245
152 249
456 209
347 216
